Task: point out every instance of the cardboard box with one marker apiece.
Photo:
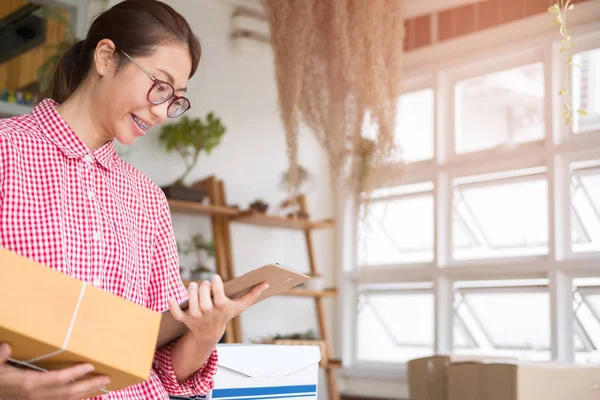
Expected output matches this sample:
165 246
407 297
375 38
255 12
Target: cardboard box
540 381
266 371
54 321
466 380
428 377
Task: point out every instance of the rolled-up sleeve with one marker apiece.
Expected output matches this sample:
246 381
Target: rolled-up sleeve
165 282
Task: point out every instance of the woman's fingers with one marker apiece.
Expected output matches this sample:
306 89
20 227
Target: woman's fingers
78 390
59 377
219 298
176 311
194 307
206 304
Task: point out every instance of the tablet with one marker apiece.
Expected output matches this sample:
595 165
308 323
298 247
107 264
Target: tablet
279 278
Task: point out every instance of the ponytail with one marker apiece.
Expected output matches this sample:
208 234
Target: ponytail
69 73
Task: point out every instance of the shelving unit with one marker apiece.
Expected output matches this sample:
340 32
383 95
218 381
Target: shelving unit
222 216
252 217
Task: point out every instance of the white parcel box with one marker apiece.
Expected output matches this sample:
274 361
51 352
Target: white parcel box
264 371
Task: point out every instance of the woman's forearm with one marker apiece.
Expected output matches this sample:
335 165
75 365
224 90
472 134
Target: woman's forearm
189 355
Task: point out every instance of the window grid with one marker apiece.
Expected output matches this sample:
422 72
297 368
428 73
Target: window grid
554 154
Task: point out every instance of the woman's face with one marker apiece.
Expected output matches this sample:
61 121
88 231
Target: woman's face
125 112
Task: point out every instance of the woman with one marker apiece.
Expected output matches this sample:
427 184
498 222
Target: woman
68 201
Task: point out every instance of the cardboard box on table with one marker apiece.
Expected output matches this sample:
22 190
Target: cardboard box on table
260 371
540 381
54 321
429 377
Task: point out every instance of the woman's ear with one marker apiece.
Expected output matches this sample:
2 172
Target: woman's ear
105 57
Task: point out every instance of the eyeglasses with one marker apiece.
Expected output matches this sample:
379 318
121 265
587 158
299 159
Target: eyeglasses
162 91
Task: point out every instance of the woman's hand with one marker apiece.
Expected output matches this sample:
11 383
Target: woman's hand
18 383
207 317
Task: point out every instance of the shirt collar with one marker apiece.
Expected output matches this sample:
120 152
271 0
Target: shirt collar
60 133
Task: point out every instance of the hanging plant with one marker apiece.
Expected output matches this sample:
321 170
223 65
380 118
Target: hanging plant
337 66
560 11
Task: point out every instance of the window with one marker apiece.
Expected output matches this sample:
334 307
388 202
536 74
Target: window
503 320
399 227
415 125
507 206
586 90
585 206
382 334
500 215
500 109
586 306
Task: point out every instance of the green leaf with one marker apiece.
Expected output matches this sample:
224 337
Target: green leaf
570 60
582 112
567 120
561 92
563 31
563 49
554 9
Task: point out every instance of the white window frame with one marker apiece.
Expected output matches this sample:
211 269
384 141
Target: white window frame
555 152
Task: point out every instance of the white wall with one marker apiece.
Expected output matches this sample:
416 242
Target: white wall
240 88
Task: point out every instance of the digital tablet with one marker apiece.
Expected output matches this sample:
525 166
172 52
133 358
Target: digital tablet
279 278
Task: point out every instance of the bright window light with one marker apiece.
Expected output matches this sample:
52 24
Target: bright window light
500 109
501 218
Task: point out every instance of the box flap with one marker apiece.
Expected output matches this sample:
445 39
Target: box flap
267 360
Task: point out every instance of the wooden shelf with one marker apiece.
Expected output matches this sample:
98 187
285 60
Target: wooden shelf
190 207
333 363
252 217
329 292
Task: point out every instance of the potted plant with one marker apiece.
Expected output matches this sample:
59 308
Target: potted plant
259 205
304 180
188 138
204 250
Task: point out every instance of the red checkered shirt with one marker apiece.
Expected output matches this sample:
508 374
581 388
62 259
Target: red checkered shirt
96 218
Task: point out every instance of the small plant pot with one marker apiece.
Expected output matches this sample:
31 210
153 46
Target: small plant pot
181 192
298 214
260 207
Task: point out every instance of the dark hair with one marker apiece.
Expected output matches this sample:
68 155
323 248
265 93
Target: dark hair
136 27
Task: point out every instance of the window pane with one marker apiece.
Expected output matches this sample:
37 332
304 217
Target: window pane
500 218
586 90
415 125
511 322
585 206
502 108
586 304
398 229
394 326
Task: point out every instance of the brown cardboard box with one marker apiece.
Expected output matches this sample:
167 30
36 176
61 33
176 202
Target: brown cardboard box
39 306
428 376
540 381
465 380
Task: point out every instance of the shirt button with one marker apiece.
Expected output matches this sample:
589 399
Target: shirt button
90 194
96 236
88 158
97 282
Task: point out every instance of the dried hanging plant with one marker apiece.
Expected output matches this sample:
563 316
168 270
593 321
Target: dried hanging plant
337 65
560 10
